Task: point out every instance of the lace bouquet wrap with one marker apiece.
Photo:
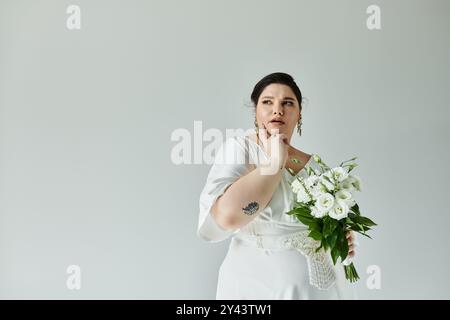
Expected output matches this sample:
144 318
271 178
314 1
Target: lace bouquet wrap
321 271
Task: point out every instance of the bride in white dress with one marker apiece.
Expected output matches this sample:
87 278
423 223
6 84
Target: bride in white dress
268 255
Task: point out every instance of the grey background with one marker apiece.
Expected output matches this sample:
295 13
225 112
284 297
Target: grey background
87 115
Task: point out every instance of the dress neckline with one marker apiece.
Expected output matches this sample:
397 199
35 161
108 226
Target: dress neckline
286 171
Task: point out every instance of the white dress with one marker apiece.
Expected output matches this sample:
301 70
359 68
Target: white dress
252 271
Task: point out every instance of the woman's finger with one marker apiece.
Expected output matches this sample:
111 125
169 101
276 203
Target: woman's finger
262 133
284 138
266 132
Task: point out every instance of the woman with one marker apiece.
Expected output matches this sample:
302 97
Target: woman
246 196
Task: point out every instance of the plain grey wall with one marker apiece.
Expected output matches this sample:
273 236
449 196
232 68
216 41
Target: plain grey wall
87 116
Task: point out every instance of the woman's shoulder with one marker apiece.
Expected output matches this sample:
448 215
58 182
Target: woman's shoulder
245 142
234 141
234 149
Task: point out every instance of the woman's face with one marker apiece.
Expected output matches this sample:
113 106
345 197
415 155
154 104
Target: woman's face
278 101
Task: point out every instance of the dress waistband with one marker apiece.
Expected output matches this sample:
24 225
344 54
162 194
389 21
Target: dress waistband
321 270
271 242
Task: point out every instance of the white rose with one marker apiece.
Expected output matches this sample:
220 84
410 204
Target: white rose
325 202
339 210
315 212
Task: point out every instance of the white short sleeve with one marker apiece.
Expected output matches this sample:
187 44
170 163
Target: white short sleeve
230 163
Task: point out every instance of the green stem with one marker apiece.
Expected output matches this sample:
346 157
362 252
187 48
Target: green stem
350 273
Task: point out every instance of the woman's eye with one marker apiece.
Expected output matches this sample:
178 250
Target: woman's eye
289 102
266 101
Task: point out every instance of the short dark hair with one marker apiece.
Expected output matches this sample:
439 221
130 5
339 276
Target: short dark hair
276 77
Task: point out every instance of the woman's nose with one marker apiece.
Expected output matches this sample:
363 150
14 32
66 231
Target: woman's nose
277 108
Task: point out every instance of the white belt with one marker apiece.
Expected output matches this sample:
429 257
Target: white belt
320 267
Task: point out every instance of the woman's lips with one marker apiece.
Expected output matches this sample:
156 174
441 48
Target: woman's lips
278 123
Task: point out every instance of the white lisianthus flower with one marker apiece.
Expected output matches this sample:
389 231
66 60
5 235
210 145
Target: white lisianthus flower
315 212
296 186
350 203
325 202
340 173
345 196
328 174
311 180
328 185
356 181
347 184
302 196
316 192
339 210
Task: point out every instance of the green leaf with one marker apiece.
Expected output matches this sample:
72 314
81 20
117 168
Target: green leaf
355 209
324 244
357 228
302 210
333 238
291 212
335 254
320 247
315 235
307 221
329 225
366 221
365 234
342 244
303 214
326 226
352 216
362 220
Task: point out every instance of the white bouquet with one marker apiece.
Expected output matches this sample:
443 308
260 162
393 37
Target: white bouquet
325 203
